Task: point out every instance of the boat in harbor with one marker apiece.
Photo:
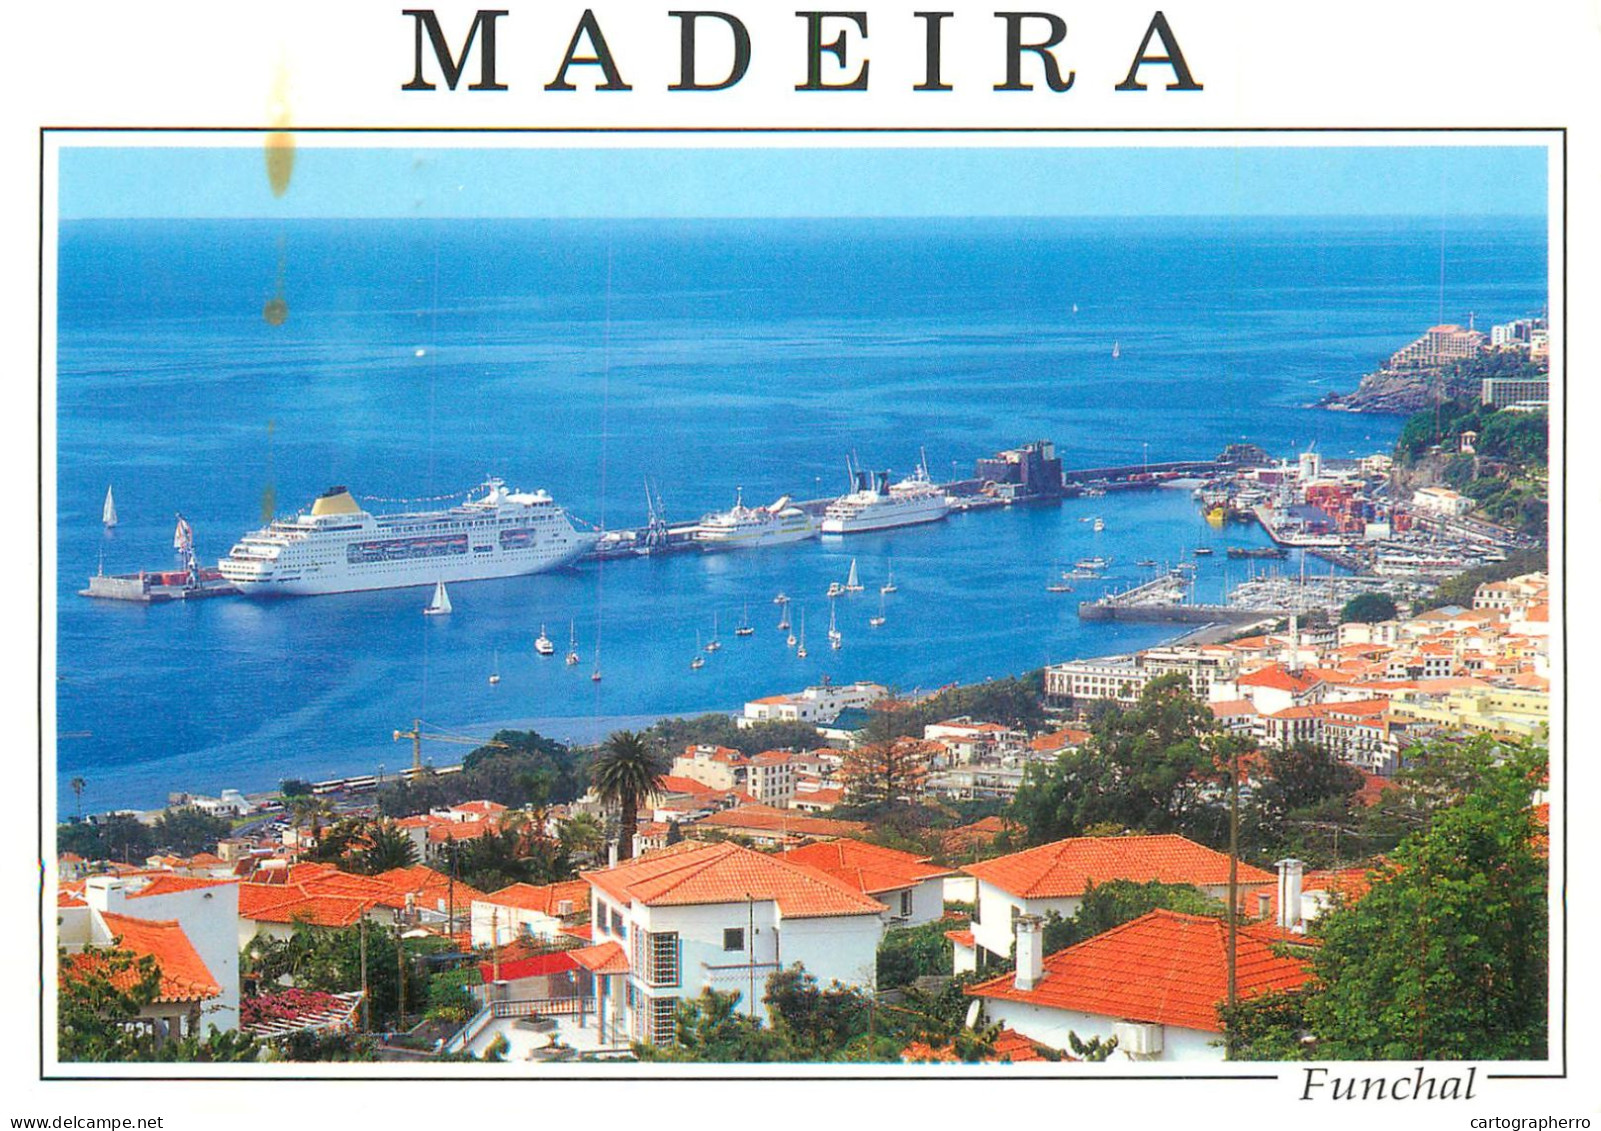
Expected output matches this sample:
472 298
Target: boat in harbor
835 638
494 672
1096 563
878 621
1146 563
1117 350
1203 551
713 644
748 528
108 512
835 589
783 623
800 650
875 503
543 644
595 675
781 599
340 548
853 584
440 605
889 585
699 661
572 643
1100 525
744 628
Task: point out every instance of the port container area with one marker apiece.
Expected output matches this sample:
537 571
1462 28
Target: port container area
156 586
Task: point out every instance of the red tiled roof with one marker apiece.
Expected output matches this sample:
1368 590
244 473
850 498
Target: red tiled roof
184 976
167 885
1163 967
1068 867
577 931
866 867
1058 739
447 831
1278 677
727 873
545 898
764 818
1010 1045
605 958
962 938
1230 707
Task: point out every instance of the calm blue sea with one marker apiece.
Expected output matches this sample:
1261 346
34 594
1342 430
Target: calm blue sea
418 357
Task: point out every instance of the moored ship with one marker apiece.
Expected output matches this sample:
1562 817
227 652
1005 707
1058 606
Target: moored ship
877 504
745 528
340 548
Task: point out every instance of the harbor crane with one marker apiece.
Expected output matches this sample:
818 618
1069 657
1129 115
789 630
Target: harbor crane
416 735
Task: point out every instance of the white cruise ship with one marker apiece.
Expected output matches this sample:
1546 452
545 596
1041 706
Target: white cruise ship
340 548
877 504
745 527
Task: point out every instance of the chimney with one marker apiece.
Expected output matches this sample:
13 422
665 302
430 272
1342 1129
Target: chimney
1030 951
1289 893
611 854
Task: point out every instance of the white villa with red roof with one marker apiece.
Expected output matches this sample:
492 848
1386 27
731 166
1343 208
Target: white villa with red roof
187 924
1054 878
720 916
528 910
911 889
1154 984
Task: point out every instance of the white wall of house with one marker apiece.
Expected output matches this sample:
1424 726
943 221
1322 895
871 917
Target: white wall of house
72 926
1052 1026
992 926
209 917
842 948
927 903
496 924
960 889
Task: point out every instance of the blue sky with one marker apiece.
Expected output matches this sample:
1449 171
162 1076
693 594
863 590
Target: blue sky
132 182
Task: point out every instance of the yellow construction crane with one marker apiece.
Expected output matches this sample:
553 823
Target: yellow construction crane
416 735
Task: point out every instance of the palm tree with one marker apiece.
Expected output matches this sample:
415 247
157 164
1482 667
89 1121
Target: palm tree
582 835
626 772
310 811
387 847
77 786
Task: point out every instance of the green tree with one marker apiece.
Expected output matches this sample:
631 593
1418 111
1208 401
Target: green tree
78 785
1445 957
711 1028
816 1023
1368 608
1116 902
1144 768
100 992
625 773
583 836
910 953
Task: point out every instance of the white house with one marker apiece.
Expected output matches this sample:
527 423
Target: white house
541 911
719 916
186 922
909 886
820 704
1154 983
1054 877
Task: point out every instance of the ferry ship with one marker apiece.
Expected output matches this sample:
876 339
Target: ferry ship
745 528
877 504
340 548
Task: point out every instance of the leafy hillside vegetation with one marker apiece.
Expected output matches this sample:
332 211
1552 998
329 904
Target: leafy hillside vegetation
1507 472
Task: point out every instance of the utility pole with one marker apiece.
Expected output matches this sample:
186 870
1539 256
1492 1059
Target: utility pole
366 1002
1234 885
400 970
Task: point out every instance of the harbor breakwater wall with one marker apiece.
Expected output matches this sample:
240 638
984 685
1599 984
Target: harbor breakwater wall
1176 614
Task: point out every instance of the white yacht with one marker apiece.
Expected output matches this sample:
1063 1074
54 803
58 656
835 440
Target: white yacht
878 504
746 528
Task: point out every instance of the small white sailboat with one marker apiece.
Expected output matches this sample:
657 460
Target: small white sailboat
879 619
572 643
889 585
494 673
699 661
801 649
853 583
783 624
108 513
835 639
595 675
713 644
744 628
542 643
440 605
1117 350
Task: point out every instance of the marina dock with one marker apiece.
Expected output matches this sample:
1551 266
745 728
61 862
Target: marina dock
1162 600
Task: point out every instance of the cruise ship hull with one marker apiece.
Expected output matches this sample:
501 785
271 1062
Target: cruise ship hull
861 523
340 548
315 584
712 541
